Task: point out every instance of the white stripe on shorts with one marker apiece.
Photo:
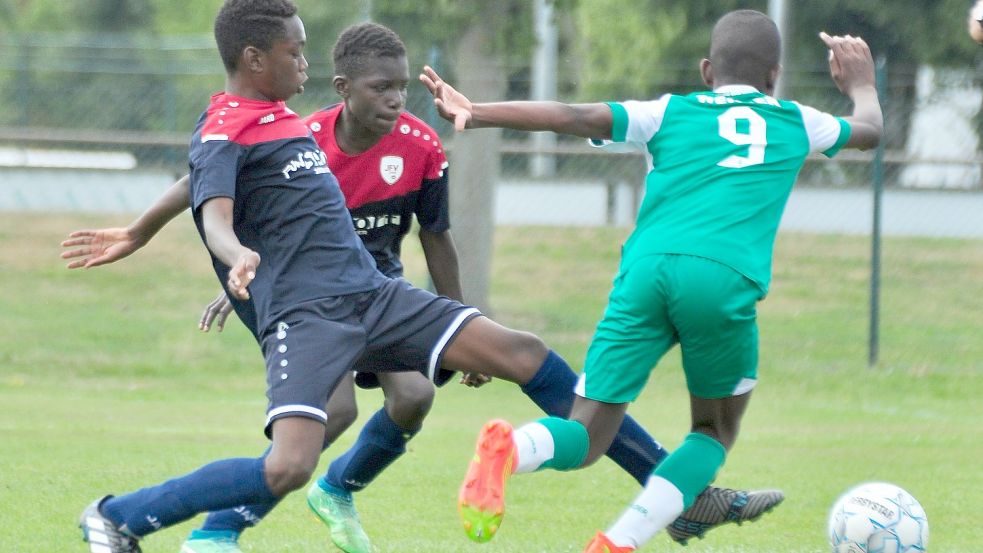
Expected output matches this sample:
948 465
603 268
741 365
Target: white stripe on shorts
296 409
580 388
744 386
446 337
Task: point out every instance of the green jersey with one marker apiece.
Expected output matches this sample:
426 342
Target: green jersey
721 166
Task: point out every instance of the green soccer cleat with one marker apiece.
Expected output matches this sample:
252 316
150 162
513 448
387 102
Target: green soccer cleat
717 506
211 542
339 513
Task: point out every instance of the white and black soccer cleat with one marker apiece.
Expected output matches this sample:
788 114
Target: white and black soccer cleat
102 535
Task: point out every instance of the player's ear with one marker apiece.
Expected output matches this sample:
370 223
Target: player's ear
772 79
706 71
252 59
342 86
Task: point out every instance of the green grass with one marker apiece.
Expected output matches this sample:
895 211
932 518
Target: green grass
108 386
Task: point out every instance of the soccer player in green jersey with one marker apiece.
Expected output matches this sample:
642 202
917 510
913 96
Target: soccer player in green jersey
721 166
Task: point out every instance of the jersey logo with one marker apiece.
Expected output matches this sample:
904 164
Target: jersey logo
391 168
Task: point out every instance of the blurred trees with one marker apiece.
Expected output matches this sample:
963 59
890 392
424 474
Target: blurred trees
151 64
622 40
628 46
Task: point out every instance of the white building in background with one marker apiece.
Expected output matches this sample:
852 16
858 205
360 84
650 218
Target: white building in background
942 131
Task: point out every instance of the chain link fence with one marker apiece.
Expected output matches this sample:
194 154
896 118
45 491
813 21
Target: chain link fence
127 105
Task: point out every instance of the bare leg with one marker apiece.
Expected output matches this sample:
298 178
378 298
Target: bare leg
602 421
489 348
341 409
297 443
409 397
719 418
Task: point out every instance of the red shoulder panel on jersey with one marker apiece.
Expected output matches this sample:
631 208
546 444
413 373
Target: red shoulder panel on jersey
247 122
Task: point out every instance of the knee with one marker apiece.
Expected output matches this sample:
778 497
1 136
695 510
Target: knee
409 404
340 418
285 474
725 433
525 353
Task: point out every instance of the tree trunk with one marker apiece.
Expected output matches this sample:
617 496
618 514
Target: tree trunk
475 159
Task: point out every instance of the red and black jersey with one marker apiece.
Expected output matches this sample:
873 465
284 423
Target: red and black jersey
286 205
403 175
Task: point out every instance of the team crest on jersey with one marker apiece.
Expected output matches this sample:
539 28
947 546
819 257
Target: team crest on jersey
391 168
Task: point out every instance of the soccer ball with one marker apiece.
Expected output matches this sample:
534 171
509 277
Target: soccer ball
877 518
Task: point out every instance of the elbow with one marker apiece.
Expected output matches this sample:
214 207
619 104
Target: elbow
870 135
877 131
873 140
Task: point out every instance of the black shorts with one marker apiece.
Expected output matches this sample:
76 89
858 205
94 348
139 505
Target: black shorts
387 360
315 343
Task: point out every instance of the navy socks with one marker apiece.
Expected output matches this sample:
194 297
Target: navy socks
215 486
236 519
380 442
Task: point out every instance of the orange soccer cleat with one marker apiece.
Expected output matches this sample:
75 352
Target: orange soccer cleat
481 500
601 544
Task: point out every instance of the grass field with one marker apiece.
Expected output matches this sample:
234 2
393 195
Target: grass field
107 386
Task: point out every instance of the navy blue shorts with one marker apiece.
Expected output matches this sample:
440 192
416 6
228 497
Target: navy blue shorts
315 343
386 360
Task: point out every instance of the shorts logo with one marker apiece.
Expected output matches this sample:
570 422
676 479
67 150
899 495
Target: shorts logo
391 168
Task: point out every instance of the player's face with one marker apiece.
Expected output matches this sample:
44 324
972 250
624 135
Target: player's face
285 67
377 95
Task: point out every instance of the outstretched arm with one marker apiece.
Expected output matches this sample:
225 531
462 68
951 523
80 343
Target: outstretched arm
585 120
441 256
852 68
94 247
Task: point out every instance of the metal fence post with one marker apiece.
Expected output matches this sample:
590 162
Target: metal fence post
24 78
873 349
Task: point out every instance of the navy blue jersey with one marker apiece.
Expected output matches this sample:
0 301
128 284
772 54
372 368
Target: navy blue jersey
401 176
287 205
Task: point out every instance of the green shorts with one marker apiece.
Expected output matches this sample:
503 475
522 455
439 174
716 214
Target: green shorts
660 300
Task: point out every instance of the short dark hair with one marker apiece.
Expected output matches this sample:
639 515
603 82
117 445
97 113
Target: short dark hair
361 42
745 46
242 23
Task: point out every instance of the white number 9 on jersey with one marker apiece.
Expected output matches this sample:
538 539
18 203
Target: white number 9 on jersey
756 137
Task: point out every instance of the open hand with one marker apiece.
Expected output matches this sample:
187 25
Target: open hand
217 311
850 62
99 246
451 104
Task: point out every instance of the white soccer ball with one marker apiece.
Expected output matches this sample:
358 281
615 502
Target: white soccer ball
877 518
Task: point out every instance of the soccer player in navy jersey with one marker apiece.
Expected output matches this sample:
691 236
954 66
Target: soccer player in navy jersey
249 147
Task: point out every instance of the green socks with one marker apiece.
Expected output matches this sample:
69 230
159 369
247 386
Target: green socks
693 465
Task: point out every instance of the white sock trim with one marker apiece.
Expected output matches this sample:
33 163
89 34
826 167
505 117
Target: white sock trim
533 445
658 504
